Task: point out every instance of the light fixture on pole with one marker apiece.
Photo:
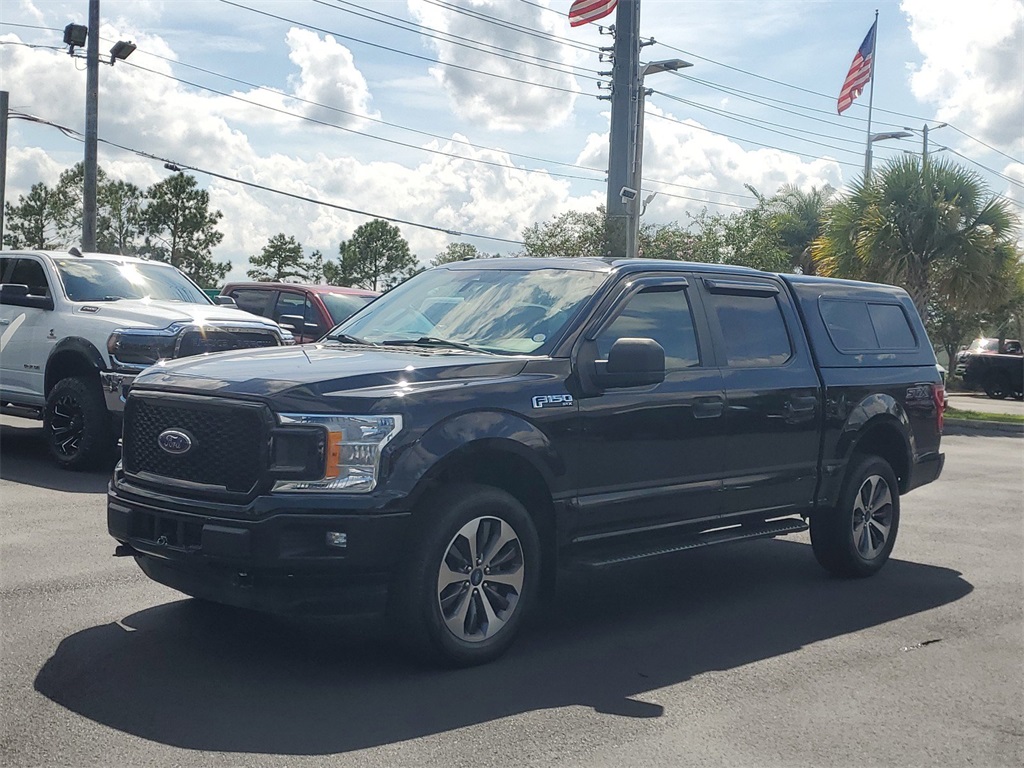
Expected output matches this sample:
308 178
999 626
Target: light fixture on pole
651 68
924 139
880 137
121 50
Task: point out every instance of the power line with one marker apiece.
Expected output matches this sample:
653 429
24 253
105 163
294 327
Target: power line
511 25
404 128
379 46
989 146
421 29
745 141
346 129
178 167
755 123
1002 176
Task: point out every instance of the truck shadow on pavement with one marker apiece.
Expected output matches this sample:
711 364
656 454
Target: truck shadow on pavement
204 677
24 459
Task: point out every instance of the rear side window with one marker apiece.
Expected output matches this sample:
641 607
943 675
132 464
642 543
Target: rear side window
253 300
753 329
859 325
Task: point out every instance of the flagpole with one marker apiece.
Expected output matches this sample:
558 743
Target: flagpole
871 99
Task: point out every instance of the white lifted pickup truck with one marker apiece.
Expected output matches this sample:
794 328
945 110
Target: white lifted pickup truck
75 329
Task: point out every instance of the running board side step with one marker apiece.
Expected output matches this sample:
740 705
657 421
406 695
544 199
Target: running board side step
623 552
22 411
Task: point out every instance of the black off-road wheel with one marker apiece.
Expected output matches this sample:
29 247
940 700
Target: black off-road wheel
470 576
856 538
76 424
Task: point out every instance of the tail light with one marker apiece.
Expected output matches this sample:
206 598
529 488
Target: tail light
939 396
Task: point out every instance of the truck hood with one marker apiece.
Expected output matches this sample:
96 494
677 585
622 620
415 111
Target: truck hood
309 373
147 313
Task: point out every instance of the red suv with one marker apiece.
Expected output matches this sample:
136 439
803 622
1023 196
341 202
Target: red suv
308 311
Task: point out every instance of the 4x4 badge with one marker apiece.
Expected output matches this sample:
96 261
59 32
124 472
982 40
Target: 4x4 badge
552 401
175 441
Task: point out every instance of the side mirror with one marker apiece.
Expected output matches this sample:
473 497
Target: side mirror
16 295
632 363
225 301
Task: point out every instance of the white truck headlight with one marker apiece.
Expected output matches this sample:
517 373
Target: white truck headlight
352 450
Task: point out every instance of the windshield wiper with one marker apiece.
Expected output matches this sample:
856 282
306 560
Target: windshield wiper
345 338
434 341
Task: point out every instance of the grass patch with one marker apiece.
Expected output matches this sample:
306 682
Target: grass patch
1005 418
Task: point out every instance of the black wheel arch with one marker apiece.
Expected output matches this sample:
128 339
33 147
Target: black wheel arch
511 467
72 356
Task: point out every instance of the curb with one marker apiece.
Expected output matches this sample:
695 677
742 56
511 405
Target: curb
975 427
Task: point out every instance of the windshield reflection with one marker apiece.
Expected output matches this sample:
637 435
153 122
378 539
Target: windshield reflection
503 311
95 280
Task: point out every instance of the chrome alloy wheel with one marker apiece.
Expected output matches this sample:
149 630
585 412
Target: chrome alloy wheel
480 579
872 516
67 425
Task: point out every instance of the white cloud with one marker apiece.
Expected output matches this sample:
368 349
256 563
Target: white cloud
476 46
691 168
973 69
328 76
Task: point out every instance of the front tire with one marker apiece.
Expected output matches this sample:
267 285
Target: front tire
76 423
470 578
857 537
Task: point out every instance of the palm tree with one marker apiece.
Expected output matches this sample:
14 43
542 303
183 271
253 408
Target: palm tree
799 218
932 228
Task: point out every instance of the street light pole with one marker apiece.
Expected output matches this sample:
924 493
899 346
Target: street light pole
92 89
636 182
623 122
881 137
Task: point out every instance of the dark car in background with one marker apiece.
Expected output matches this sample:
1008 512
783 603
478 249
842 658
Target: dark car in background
996 368
308 311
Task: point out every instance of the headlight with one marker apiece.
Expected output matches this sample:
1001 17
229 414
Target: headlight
352 450
136 349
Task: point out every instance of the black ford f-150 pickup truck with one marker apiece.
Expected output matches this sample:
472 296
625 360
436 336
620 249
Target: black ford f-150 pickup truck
444 452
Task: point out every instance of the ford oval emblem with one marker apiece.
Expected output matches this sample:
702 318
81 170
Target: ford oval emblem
175 441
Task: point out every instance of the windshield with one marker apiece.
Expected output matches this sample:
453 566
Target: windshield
984 345
504 311
96 280
342 306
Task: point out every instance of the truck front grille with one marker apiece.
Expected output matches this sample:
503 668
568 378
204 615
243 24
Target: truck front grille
225 447
199 341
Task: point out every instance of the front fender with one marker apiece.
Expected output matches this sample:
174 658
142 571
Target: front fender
82 350
492 431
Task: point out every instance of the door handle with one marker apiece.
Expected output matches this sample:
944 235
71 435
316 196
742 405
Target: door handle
4 321
801 404
708 407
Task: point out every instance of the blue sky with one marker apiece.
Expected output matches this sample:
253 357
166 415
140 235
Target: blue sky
384 107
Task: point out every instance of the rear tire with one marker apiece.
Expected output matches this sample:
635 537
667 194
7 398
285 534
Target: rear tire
856 538
76 424
470 576
997 385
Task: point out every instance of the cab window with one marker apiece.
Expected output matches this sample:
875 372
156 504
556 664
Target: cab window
659 313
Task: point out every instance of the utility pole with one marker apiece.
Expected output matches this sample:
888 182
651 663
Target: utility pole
4 101
92 90
621 138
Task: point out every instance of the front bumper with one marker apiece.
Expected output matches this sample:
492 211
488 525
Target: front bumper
280 562
115 389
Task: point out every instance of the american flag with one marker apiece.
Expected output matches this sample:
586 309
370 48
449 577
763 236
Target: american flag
584 11
860 71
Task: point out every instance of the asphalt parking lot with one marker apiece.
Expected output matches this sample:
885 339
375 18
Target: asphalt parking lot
748 655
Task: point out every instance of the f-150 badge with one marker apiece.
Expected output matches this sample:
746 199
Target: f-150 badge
552 401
